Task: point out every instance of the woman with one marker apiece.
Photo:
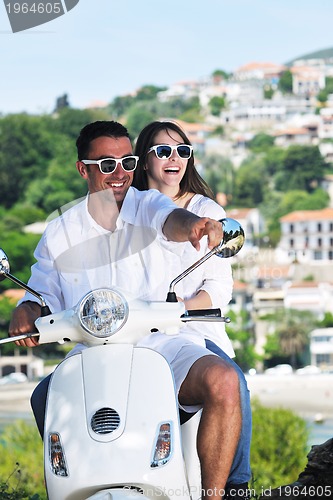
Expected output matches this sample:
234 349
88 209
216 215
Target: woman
166 163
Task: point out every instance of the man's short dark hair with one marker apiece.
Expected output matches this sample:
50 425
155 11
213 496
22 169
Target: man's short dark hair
98 129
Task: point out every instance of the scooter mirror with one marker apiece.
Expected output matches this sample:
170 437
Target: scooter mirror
4 265
232 242
5 273
233 238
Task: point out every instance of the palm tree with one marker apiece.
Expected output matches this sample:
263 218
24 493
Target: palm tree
293 332
292 328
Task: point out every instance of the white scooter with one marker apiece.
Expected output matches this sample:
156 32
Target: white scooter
112 429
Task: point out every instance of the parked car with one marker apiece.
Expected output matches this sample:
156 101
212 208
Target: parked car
282 369
13 378
308 370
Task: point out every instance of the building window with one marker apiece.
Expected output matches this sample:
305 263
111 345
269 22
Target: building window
319 227
322 338
291 228
331 226
322 358
319 242
291 243
330 255
318 255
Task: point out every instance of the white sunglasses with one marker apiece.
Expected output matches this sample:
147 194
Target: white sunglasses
109 165
164 151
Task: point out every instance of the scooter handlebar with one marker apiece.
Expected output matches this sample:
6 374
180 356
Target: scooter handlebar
19 337
204 315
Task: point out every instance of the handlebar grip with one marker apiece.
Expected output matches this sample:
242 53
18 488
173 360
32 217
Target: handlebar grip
215 313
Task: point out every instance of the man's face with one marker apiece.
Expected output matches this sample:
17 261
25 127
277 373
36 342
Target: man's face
118 181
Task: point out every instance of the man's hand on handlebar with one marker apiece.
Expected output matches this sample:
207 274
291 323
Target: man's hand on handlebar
23 322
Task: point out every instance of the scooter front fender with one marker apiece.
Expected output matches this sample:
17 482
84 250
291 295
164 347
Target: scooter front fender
138 385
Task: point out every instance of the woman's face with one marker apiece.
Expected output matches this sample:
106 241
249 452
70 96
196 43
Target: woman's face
166 174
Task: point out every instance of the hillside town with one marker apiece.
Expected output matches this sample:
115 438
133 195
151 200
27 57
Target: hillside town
297 274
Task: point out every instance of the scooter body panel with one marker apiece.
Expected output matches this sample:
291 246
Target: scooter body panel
138 385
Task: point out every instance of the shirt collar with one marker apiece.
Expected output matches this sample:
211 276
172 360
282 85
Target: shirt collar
129 207
126 214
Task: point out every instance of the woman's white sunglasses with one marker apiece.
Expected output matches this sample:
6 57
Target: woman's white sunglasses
164 151
109 165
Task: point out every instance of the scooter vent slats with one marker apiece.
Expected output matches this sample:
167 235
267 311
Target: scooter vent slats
105 421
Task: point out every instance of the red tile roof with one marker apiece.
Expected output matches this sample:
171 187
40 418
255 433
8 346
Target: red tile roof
306 215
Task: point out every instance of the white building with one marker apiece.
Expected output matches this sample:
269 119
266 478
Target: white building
316 297
321 348
325 130
308 80
306 236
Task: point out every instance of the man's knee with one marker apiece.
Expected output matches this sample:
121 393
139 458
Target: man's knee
221 383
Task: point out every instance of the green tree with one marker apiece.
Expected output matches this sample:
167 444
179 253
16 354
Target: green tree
219 74
26 213
240 332
148 92
322 96
219 174
138 117
286 82
68 122
19 248
61 184
329 84
260 142
274 157
176 108
269 209
324 93
61 102
26 148
192 113
251 181
301 200
216 104
219 130
303 168
120 105
327 321
268 92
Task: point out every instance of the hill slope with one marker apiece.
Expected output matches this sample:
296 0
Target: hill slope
319 54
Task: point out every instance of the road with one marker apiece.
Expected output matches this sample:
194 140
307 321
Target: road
307 395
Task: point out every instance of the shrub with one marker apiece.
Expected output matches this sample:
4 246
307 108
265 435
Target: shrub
21 445
279 446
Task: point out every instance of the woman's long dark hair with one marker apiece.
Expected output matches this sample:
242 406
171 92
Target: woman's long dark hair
192 182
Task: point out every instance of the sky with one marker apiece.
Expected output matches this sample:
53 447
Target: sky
106 48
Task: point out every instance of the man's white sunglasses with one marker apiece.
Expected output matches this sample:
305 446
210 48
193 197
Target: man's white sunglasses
109 165
164 151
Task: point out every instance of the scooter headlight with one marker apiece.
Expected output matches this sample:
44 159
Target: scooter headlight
103 312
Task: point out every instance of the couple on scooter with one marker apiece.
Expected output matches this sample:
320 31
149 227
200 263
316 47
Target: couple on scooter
205 376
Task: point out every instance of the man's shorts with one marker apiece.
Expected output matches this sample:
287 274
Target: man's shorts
181 365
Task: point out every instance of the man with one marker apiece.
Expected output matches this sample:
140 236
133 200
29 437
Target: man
113 207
